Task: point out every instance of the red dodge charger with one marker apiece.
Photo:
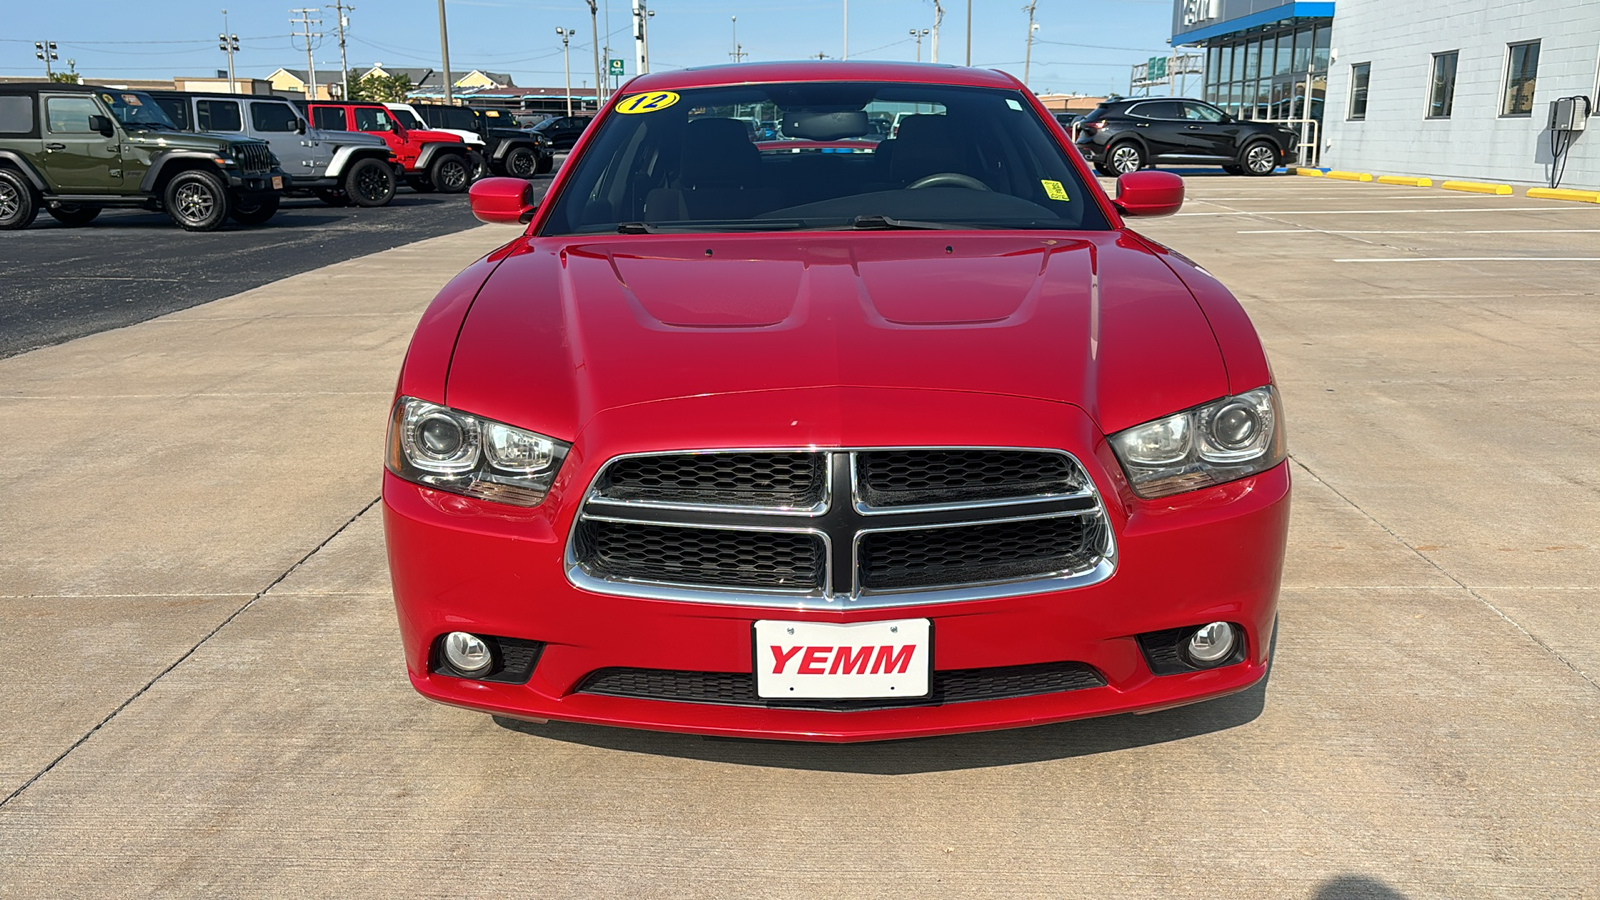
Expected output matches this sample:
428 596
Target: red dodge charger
907 438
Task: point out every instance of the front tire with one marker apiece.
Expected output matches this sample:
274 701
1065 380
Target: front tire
546 163
18 206
73 215
1125 157
369 183
332 197
451 174
255 211
521 162
421 184
197 200
1259 158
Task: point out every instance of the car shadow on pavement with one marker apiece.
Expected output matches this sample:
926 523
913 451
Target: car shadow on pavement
1356 887
1062 740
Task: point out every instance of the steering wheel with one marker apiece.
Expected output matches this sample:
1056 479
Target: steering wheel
948 179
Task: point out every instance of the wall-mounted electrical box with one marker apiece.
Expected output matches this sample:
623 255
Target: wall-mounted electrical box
1569 114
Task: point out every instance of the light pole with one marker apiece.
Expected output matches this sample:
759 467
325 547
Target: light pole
738 53
938 16
229 44
846 54
919 35
339 9
566 63
969 32
594 36
46 50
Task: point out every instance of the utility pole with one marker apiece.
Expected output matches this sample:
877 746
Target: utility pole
938 16
738 53
640 64
444 54
566 62
46 50
229 44
919 35
339 9
594 35
1027 59
969 32
306 23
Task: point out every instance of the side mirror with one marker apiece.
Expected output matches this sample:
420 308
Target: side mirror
102 125
1149 193
502 201
299 125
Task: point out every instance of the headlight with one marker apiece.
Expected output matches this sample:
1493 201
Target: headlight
1219 442
454 451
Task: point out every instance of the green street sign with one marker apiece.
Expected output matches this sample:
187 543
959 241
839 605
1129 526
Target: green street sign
1156 68
616 67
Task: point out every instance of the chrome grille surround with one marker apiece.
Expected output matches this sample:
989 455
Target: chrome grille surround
841 519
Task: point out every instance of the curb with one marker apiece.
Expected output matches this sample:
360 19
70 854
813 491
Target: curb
1564 194
1350 176
1477 187
1405 180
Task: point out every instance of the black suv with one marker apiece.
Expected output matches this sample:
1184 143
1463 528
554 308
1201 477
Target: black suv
563 131
508 149
74 150
1122 136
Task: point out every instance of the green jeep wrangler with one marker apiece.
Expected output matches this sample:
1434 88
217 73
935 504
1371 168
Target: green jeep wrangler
74 150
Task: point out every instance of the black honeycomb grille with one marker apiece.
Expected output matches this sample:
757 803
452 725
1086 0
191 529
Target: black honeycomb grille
739 688
905 477
967 554
737 479
701 556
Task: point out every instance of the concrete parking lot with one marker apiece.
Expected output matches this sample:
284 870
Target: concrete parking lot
205 693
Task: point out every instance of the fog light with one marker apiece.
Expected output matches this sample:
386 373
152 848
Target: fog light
468 654
1211 644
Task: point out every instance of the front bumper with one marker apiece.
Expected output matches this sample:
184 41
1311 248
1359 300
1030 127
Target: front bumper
463 564
258 183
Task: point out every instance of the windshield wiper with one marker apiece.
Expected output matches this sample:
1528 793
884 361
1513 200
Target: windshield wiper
730 225
885 223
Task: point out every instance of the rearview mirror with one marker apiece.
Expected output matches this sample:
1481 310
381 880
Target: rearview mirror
102 125
1149 193
502 201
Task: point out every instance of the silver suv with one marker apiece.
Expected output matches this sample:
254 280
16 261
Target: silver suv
340 167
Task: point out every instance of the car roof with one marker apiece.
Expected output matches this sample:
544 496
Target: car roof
16 87
818 70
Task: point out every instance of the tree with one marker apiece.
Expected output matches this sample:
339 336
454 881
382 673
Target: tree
65 78
377 88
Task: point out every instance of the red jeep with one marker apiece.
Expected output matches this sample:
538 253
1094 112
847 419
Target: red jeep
432 160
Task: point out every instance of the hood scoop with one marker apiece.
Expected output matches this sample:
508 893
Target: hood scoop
699 291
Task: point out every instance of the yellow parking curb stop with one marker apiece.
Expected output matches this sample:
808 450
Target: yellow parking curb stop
1309 173
1350 176
1405 180
1477 187
1564 194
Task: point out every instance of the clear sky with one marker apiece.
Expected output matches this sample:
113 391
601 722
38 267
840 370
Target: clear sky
1081 45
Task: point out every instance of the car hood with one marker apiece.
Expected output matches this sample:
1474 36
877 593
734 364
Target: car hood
566 328
180 140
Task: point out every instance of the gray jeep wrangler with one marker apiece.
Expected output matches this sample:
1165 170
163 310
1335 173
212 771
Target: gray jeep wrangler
341 167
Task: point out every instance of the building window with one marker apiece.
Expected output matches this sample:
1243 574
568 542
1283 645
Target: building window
1442 91
1522 69
1359 74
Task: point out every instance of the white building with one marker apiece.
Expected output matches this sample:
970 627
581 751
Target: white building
1461 88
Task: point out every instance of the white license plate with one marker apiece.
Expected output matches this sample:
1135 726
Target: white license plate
814 660
277 182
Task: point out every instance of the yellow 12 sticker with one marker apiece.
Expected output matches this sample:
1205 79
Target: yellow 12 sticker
644 103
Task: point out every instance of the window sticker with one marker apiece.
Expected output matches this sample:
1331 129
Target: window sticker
646 103
1054 190
1014 104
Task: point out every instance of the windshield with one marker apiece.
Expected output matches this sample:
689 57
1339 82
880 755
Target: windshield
137 111
823 155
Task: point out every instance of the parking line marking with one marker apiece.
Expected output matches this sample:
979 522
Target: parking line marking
1488 231
1407 259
